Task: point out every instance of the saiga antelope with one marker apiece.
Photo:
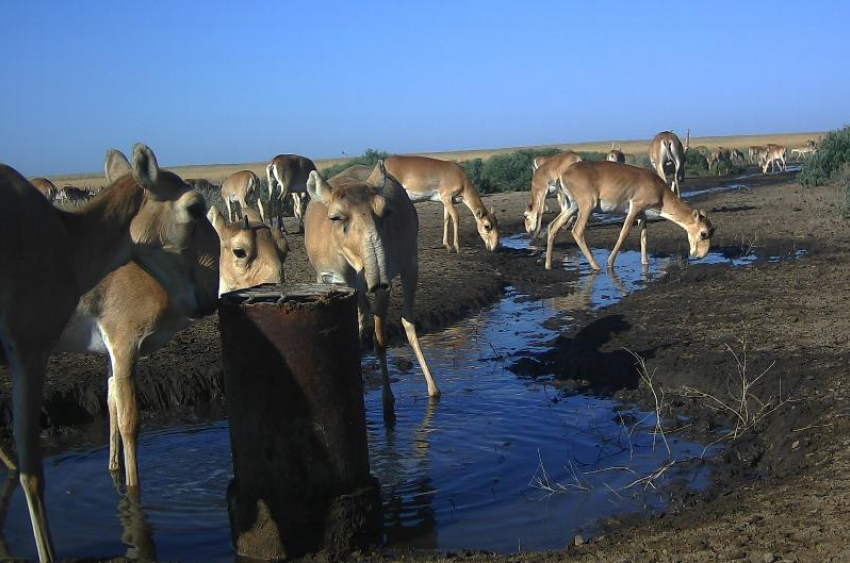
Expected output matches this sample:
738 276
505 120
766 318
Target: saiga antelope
147 214
289 172
129 314
774 153
666 148
609 187
73 194
616 155
239 187
547 171
756 154
46 187
361 229
429 179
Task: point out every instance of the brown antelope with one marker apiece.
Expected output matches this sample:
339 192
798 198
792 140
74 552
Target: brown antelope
547 173
201 184
774 153
129 314
610 187
239 187
289 172
147 214
361 229
666 149
616 155
46 187
756 154
429 179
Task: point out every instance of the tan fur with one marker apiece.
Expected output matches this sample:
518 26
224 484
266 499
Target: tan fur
429 179
46 187
249 256
361 229
288 173
239 187
589 186
547 174
616 155
58 256
666 148
774 154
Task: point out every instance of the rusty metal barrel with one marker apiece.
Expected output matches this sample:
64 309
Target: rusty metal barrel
297 420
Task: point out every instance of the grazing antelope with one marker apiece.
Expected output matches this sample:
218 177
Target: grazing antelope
361 229
666 149
289 172
46 187
239 187
774 153
609 187
147 214
547 173
129 314
429 179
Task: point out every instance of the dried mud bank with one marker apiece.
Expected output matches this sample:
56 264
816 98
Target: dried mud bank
782 484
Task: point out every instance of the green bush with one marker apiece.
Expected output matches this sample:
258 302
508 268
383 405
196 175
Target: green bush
833 153
368 158
695 164
504 172
593 156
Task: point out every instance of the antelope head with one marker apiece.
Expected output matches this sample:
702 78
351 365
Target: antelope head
700 230
252 253
488 227
533 214
172 239
358 212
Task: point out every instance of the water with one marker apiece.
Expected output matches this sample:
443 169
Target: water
501 462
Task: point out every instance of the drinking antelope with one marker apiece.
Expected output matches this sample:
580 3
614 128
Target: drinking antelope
547 173
666 149
361 229
289 172
239 187
774 154
429 179
147 214
608 187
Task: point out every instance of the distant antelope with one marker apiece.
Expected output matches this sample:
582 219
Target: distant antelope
775 157
241 187
289 173
72 194
667 149
547 174
616 155
756 154
46 187
429 179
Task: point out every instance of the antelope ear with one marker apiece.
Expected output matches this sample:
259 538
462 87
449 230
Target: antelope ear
380 205
217 220
145 166
318 188
378 177
116 165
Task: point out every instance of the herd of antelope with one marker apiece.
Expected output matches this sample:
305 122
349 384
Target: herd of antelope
147 256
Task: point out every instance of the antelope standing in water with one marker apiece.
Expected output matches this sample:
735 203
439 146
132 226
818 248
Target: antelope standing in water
361 229
147 214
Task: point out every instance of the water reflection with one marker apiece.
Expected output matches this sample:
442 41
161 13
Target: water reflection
137 531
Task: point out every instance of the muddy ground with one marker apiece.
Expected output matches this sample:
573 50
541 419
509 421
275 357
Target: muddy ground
782 487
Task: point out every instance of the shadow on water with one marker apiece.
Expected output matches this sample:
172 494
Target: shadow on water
502 462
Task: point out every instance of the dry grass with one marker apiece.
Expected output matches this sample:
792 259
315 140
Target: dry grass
217 172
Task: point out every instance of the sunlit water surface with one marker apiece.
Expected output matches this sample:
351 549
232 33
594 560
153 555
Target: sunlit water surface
500 463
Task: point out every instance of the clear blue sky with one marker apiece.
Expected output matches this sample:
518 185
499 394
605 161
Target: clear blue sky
217 81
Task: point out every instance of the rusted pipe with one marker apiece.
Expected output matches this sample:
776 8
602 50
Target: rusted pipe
297 422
